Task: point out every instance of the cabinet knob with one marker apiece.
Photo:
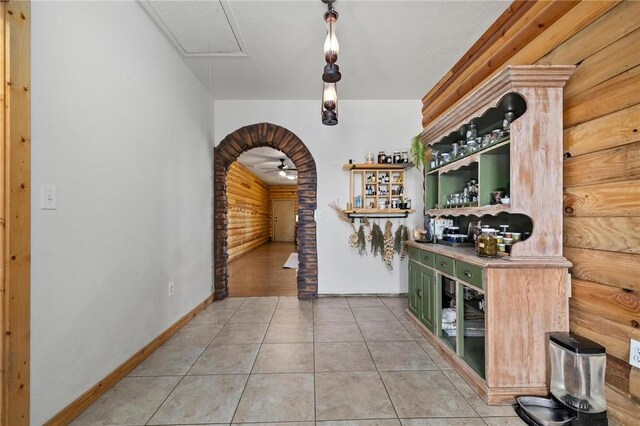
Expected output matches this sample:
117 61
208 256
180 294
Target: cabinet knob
419 293
443 264
467 273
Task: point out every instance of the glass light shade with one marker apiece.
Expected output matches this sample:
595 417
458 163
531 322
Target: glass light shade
282 173
329 96
329 104
331 45
291 177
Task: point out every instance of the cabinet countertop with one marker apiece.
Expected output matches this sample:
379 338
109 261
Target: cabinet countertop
468 254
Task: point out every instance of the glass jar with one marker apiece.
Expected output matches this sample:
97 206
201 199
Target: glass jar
486 139
435 155
389 158
445 157
487 243
472 132
450 199
472 146
382 157
405 156
508 119
495 136
368 158
397 157
455 150
358 202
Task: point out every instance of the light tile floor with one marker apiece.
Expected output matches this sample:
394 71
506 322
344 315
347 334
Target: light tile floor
339 361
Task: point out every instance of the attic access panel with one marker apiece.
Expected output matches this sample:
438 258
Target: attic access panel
198 28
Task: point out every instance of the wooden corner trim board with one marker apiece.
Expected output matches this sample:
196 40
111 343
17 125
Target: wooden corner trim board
15 231
76 408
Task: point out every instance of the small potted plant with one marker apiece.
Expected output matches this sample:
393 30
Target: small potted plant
418 152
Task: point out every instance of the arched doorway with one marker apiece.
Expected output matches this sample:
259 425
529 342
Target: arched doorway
270 135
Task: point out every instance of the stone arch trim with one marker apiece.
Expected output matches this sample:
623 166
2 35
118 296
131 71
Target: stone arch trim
227 151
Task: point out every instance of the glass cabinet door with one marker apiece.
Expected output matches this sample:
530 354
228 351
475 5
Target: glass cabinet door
447 311
472 323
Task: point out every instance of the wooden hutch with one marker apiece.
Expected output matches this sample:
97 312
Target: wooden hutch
504 306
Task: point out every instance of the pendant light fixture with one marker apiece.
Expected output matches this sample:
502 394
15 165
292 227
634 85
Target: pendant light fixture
331 74
329 104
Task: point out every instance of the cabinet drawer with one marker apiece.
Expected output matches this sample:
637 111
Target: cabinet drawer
445 264
425 257
469 273
414 253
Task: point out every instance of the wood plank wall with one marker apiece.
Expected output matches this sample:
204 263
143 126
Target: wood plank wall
602 173
282 192
248 199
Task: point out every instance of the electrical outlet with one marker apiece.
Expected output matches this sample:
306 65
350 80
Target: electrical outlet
171 289
634 353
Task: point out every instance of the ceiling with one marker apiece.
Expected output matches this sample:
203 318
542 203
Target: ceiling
271 49
263 162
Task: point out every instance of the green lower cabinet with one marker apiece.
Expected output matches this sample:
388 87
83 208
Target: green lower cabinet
422 293
415 288
428 306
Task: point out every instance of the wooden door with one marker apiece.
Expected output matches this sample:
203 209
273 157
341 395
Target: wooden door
283 220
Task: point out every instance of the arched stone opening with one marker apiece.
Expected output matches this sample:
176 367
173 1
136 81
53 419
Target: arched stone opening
273 136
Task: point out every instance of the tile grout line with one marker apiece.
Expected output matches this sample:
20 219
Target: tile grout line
377 370
185 375
235 412
214 337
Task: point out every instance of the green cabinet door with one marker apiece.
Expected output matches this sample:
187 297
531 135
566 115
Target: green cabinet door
415 288
428 305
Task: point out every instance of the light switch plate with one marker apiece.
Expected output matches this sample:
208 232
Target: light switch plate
48 197
634 353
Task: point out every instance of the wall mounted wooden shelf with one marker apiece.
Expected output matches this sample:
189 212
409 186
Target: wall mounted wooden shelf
375 166
377 189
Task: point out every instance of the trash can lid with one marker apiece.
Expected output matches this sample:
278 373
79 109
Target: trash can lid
577 344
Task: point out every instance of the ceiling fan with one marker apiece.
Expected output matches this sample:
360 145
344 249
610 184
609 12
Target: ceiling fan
281 168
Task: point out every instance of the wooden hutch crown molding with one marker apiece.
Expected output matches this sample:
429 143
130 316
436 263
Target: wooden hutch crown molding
511 79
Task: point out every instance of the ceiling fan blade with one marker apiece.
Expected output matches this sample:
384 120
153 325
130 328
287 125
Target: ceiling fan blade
270 171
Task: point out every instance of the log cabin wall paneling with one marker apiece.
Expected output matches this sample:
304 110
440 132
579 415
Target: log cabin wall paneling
282 192
602 165
249 208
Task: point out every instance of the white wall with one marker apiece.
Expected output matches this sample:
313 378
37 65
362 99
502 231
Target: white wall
120 127
364 126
